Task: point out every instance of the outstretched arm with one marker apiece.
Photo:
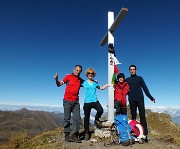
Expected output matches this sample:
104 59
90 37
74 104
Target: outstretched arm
103 87
56 79
143 84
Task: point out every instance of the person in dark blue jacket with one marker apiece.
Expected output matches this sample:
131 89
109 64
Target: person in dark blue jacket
136 97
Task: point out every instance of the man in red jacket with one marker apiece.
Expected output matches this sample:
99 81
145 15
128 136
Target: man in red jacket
71 103
121 89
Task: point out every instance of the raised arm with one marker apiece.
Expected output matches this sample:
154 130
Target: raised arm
56 79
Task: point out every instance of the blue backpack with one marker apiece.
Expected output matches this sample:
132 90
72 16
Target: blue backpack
123 130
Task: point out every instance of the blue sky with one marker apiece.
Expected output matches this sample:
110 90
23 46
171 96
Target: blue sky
41 37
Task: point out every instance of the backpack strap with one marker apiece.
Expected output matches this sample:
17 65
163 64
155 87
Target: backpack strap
130 140
114 137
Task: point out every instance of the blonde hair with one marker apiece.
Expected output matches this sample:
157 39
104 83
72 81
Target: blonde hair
90 70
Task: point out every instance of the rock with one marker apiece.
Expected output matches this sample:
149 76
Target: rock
102 133
93 140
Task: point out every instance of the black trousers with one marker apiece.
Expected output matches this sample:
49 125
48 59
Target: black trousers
87 110
119 108
140 105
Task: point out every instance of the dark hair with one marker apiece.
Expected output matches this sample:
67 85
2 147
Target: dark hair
120 75
78 66
132 66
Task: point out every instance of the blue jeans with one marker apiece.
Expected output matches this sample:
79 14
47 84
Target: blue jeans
74 108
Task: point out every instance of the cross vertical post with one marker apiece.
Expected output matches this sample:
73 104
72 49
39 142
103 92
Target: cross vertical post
110 70
112 25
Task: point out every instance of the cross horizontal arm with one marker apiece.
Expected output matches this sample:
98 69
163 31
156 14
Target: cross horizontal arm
115 24
104 40
118 19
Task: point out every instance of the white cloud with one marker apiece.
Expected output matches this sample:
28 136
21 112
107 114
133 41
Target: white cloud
30 106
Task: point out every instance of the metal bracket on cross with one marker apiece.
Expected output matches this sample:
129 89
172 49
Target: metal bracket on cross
112 25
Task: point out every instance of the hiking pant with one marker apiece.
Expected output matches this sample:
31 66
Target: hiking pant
119 108
140 105
87 110
74 108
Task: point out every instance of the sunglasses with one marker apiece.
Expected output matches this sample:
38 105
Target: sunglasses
90 73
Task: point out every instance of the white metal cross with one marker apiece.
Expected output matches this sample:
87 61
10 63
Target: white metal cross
112 25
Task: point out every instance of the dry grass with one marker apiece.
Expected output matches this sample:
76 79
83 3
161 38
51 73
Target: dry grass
16 140
161 126
46 140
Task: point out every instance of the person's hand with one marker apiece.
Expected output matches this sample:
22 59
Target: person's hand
107 85
56 76
153 100
103 87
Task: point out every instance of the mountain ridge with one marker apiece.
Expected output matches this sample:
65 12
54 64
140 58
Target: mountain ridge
163 133
28 121
173 111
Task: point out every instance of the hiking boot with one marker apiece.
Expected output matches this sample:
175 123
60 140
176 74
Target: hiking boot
145 139
86 136
66 137
140 140
74 138
98 124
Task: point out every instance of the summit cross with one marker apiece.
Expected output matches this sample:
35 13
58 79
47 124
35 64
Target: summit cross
112 25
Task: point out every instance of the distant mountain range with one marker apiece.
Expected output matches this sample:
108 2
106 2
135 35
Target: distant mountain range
14 107
31 122
173 111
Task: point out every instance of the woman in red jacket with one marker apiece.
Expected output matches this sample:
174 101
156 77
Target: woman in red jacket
121 89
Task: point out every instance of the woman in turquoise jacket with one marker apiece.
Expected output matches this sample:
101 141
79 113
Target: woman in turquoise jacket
91 100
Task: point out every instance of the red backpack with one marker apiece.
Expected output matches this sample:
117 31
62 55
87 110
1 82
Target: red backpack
137 129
